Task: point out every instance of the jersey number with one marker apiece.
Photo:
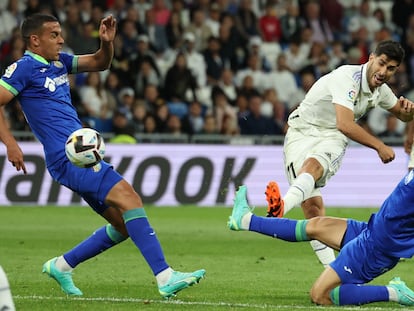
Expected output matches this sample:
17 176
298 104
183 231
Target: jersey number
291 171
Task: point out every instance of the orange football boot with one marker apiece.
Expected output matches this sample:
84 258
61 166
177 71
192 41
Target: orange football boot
275 204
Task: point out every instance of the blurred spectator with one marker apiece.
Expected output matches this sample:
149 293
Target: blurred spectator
120 62
290 23
333 11
283 81
242 106
129 35
256 48
200 29
161 118
254 70
152 98
126 99
11 50
246 21
160 12
32 7
179 80
85 9
122 128
113 85
16 118
364 18
178 7
307 79
89 42
226 85
231 49
141 6
139 111
193 122
73 28
255 123
391 129
213 18
210 127
146 75
278 109
98 102
195 60
7 23
174 31
269 23
321 31
174 125
337 55
118 8
155 32
229 126
141 53
247 87
150 125
214 61
222 110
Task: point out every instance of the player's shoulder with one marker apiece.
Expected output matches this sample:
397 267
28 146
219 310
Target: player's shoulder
22 66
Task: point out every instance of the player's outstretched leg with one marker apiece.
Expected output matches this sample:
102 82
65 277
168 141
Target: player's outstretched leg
405 295
242 212
6 299
64 279
179 281
275 204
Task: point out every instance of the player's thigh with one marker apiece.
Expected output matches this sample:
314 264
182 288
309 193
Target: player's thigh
329 230
327 150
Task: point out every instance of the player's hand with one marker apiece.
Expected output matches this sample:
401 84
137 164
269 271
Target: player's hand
386 153
406 105
107 29
15 157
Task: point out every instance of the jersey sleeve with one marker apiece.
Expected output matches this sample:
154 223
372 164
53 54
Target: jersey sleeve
387 97
344 89
70 62
16 77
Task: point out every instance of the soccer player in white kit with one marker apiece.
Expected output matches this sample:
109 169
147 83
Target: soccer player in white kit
319 130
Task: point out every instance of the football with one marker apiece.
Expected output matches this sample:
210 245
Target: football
85 147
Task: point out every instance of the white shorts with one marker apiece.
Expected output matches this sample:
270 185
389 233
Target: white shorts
328 147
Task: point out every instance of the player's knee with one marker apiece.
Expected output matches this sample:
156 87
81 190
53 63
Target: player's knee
313 226
124 197
320 298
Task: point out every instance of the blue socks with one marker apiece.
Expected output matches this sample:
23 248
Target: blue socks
144 237
99 241
280 228
353 294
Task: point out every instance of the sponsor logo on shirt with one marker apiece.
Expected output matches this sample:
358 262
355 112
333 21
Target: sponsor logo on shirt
352 95
10 70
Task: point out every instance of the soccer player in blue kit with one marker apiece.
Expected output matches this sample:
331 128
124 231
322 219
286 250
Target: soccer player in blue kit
40 81
366 249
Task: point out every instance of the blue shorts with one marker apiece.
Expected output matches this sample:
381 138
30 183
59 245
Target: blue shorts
91 184
359 260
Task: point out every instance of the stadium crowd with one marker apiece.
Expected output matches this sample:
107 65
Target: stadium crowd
229 67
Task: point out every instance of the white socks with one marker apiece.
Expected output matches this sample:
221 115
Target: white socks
62 264
299 191
163 277
324 253
6 300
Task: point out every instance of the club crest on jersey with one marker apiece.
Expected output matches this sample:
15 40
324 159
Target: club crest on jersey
10 70
58 64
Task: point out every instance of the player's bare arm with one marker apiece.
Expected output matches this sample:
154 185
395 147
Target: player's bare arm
346 124
14 153
409 137
102 58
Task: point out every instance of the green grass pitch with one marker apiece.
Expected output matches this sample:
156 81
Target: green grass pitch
245 271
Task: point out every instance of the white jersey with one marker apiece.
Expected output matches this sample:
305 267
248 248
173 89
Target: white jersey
346 86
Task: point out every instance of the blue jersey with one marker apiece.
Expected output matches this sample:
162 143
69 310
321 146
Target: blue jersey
393 226
43 90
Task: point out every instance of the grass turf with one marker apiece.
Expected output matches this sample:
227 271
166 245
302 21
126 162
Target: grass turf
245 271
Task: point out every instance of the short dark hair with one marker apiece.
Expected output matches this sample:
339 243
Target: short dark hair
392 49
34 23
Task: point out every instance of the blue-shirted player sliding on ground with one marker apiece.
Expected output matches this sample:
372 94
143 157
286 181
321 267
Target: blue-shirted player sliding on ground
40 81
367 249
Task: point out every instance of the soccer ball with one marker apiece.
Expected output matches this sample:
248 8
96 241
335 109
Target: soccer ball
85 147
